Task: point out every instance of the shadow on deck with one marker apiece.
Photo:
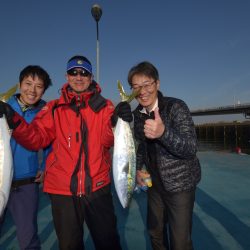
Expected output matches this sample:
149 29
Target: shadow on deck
221 217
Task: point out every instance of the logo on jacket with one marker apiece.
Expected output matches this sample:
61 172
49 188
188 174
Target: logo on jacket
100 183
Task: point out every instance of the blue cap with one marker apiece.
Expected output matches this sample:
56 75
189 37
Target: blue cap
78 63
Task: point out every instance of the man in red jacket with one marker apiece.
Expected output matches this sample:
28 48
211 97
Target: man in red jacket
77 175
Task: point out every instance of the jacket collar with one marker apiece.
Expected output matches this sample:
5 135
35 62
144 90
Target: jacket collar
68 94
15 100
160 103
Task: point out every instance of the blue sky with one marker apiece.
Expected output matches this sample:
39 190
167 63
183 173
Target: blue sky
200 47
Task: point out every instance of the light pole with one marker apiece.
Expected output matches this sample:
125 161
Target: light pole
96 12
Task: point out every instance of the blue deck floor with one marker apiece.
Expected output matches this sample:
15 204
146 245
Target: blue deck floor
221 215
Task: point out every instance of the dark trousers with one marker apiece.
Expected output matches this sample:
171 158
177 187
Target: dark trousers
70 213
23 207
169 219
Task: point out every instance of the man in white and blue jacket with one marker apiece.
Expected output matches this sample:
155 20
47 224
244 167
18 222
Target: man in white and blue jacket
28 165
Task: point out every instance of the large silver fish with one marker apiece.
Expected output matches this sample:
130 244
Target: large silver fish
124 157
6 163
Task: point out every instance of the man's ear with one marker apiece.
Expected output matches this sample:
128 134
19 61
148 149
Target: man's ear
67 78
158 84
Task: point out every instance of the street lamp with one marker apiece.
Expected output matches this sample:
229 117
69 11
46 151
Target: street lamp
96 12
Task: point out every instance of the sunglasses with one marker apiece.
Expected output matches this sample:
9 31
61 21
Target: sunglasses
81 72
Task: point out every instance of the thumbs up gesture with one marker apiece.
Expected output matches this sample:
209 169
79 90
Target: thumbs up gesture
154 128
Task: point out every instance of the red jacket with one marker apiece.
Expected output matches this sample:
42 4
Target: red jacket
81 136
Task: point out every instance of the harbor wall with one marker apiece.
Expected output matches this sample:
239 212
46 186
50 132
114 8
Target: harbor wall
232 135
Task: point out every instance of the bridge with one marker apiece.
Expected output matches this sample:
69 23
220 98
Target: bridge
224 110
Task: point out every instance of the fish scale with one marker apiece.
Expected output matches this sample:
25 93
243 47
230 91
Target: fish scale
6 164
6 160
124 162
124 157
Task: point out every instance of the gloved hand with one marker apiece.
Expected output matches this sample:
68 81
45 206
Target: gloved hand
7 110
122 110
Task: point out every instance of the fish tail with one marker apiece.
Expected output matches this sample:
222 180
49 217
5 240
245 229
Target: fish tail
5 96
124 96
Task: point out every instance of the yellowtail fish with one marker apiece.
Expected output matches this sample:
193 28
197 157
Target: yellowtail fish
6 163
6 167
124 157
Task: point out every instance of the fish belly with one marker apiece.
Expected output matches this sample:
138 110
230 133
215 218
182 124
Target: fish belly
6 164
124 162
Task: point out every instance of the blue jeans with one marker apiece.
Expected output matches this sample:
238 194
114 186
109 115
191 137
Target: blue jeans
169 219
23 207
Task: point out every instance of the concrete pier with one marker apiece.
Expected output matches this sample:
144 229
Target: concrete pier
221 217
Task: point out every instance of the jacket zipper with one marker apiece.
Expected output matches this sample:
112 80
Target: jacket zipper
80 182
69 140
80 177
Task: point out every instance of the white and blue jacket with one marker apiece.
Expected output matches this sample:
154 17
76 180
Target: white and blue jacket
26 163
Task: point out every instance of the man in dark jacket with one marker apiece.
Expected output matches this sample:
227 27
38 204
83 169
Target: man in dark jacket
167 147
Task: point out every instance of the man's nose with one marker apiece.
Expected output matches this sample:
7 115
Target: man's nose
78 76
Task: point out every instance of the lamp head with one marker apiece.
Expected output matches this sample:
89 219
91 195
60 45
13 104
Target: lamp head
96 12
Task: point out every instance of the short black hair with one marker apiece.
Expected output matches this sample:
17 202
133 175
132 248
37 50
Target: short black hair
35 70
143 68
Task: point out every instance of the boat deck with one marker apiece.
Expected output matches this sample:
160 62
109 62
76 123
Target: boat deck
221 217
